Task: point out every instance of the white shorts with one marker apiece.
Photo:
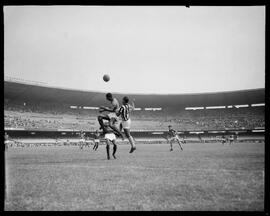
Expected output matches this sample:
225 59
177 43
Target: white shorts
126 124
96 140
110 136
82 140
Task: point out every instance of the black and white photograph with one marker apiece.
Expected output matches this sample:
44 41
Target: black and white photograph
134 108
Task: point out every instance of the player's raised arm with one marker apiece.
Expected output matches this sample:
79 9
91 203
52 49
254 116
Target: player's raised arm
132 106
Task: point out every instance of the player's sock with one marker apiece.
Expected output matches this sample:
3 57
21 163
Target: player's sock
133 146
132 149
131 141
114 151
108 151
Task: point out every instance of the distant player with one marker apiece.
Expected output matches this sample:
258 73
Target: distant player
231 139
96 140
124 113
110 138
172 136
111 116
223 139
82 139
6 141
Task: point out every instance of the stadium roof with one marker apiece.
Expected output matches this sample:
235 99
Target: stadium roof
18 91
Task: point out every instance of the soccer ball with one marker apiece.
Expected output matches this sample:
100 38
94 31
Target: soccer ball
106 78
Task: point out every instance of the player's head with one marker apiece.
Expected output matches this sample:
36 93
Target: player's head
109 97
125 100
169 126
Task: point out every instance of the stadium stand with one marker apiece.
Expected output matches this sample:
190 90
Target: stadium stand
41 107
46 117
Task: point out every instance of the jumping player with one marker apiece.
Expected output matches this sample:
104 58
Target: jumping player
110 138
172 136
124 113
111 116
96 140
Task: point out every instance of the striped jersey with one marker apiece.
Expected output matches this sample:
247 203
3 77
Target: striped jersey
124 111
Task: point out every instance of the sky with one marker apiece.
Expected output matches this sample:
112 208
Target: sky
144 49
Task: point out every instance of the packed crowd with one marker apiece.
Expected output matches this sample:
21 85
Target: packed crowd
57 117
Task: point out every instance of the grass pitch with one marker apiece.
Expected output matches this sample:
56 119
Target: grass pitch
205 177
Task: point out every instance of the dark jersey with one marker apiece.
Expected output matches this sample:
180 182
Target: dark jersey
172 132
96 135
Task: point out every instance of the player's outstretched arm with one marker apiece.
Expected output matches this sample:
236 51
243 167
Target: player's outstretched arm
133 104
102 109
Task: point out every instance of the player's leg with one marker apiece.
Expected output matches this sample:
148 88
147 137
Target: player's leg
179 142
126 127
95 146
170 141
130 139
94 143
114 148
112 124
121 127
108 149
